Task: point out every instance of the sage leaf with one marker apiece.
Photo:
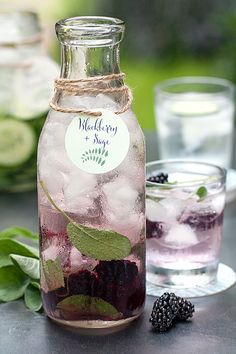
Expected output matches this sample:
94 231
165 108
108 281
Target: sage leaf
32 298
98 244
51 275
35 284
12 283
28 265
202 192
9 246
84 305
16 231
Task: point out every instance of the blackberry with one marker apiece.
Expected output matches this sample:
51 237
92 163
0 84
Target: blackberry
83 282
202 220
159 178
120 273
119 284
164 312
167 309
186 309
154 229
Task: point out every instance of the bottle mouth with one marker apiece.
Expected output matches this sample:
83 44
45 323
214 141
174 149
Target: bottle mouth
90 31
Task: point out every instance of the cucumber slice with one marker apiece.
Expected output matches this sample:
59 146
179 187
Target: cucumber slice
17 142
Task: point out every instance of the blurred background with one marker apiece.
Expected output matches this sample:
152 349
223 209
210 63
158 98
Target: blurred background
164 39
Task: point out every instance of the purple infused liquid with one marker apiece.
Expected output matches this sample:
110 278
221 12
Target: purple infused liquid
184 232
121 283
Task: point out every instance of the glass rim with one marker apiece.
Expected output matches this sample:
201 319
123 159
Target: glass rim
220 177
226 85
90 28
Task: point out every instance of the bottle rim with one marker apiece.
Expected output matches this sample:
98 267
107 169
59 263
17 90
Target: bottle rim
90 30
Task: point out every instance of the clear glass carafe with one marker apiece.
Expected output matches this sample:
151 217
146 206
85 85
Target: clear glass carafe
91 186
26 75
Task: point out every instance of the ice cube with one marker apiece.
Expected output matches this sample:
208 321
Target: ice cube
120 197
133 169
127 224
218 203
51 252
75 260
155 211
80 191
53 172
173 206
53 136
181 236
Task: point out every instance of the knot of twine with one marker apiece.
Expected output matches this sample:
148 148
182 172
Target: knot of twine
81 86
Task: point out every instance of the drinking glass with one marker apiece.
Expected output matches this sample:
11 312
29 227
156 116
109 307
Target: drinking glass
184 222
195 119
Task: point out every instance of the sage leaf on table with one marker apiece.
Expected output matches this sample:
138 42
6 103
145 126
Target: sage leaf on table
51 275
9 246
28 265
35 284
32 298
87 306
98 244
17 231
12 283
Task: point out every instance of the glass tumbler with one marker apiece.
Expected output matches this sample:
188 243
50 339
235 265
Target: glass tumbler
185 207
195 119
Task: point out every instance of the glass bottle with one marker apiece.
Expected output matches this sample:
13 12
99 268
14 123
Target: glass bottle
91 187
26 73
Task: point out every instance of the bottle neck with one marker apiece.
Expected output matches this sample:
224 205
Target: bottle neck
83 62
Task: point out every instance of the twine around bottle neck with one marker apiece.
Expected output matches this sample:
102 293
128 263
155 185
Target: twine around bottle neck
87 86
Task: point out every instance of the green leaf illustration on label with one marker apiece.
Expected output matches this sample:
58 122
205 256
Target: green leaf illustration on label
51 275
84 305
96 155
104 245
98 244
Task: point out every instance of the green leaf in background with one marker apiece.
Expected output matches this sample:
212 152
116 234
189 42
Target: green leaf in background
86 305
28 265
202 192
98 244
51 275
16 231
12 283
8 246
32 298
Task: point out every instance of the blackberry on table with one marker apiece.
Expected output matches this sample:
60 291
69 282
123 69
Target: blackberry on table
164 312
169 308
159 178
186 309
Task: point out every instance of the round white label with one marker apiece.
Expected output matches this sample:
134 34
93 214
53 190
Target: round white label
97 144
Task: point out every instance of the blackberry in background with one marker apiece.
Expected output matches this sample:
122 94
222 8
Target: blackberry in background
154 229
159 178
